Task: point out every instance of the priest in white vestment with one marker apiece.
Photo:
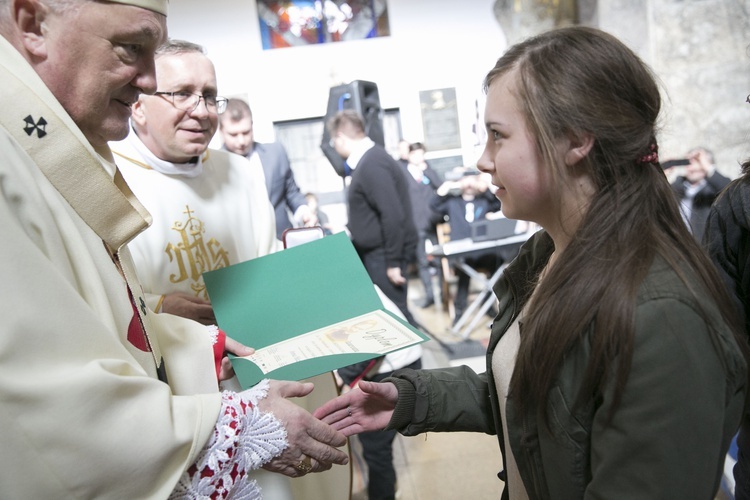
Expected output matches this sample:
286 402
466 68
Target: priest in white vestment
101 398
210 209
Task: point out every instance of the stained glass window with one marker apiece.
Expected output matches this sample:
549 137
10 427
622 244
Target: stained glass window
295 23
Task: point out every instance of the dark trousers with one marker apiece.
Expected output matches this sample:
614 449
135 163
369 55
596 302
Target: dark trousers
742 477
377 450
742 467
374 262
424 266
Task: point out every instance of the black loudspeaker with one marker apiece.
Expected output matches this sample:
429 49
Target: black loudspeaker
363 97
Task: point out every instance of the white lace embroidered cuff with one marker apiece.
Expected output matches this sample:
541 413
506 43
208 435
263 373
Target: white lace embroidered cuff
244 440
213 332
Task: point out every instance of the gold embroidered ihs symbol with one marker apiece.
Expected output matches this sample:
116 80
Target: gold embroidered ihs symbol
195 255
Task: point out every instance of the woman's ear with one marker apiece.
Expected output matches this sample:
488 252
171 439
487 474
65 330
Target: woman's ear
578 148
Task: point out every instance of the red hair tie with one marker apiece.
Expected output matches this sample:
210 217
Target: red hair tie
652 156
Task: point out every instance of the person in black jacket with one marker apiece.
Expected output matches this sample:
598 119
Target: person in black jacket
727 239
697 189
380 214
383 233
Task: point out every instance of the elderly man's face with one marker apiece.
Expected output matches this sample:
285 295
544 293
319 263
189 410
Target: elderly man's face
99 59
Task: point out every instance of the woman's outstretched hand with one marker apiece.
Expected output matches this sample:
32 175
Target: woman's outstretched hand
368 407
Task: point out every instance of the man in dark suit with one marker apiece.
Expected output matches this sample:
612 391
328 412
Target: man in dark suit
380 213
423 182
237 133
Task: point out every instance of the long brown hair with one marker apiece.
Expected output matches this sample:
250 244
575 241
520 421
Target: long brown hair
575 81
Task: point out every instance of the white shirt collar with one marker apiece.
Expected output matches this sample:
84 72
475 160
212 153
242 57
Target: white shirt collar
692 189
358 151
162 166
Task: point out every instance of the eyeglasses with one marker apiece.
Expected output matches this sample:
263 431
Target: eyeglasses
187 101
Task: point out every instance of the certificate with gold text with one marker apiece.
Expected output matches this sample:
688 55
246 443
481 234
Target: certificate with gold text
305 310
373 333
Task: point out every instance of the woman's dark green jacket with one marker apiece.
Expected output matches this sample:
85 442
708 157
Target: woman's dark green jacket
668 438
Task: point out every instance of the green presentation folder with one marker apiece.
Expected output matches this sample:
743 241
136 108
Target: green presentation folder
281 296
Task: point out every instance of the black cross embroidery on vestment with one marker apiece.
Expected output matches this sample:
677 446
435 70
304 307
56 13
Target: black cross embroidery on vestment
39 126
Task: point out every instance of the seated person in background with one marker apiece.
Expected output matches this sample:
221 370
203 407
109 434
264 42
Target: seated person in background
462 202
697 189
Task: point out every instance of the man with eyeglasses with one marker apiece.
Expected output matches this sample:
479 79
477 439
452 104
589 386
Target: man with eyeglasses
209 209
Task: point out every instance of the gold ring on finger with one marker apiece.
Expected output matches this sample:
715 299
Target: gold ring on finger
304 466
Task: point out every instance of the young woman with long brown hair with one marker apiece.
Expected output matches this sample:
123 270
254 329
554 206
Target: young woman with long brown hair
613 369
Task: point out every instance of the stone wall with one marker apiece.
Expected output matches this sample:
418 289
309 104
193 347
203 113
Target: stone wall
699 51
